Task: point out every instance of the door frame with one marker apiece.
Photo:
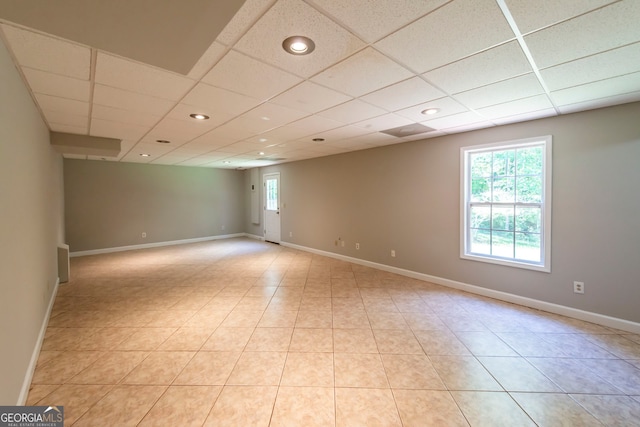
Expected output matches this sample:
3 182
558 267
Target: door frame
264 206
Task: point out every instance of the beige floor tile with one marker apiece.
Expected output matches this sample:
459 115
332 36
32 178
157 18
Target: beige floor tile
411 371
124 405
516 374
170 318
47 355
573 376
106 339
68 338
258 368
39 392
464 373
242 319
357 407
424 322
304 406
382 304
311 303
387 320
397 341
275 318
346 319
243 406
354 341
63 367
314 319
76 399
182 405
308 369
312 340
359 370
440 343
270 339
420 408
206 319
495 409
159 368
186 339
228 339
485 344
110 368
551 409
610 410
253 303
146 339
208 368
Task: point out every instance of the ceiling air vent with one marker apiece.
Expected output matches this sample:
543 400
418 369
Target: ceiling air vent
271 159
408 130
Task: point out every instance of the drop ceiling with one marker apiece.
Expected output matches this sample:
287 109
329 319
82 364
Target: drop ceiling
376 66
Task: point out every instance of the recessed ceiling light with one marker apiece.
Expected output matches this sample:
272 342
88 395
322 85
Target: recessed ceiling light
199 116
145 155
265 118
263 140
227 162
430 111
261 153
163 141
318 139
298 45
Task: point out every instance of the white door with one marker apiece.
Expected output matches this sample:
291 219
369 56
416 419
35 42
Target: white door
271 185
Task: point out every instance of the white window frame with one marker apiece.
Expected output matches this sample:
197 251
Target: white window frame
465 190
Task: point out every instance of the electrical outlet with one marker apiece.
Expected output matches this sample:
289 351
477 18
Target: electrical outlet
342 243
393 253
358 246
291 234
144 235
578 287
222 227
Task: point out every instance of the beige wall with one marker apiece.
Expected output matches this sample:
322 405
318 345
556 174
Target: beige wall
31 227
406 197
110 204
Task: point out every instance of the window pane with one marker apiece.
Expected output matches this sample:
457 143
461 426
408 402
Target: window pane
272 194
480 164
502 218
504 190
480 241
504 163
528 219
529 189
529 160
480 217
481 190
502 244
528 247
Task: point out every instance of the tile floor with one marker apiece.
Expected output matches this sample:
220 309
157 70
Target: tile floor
241 333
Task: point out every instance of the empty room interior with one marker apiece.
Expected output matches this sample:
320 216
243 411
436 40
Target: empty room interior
321 212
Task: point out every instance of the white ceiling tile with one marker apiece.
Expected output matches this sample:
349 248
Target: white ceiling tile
521 106
242 147
82 130
66 119
195 162
210 140
362 17
242 74
294 17
364 72
156 150
532 15
375 139
118 115
62 105
140 78
271 115
219 100
249 13
446 107
49 54
384 122
178 131
232 130
338 134
352 111
549 112
313 125
490 66
57 85
501 92
353 144
170 160
125 100
310 97
454 120
208 59
456 30
600 89
600 103
404 94
602 66
607 28
469 127
117 130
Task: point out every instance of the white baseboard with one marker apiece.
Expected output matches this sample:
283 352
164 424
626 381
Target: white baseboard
254 236
26 384
601 319
154 245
